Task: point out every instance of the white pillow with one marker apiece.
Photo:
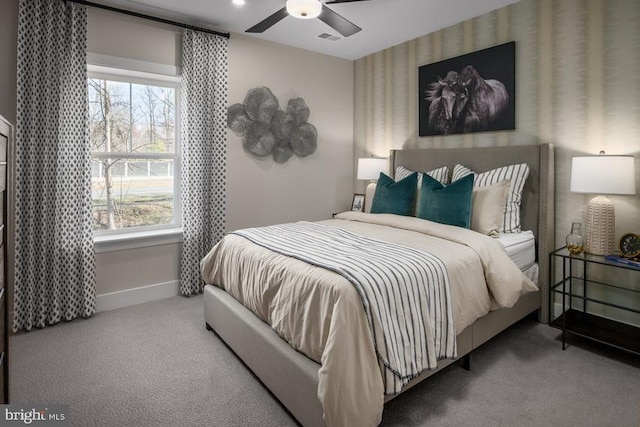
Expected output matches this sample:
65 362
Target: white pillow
517 174
441 174
487 208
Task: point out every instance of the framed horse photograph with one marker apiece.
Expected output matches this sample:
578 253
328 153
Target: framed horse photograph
469 93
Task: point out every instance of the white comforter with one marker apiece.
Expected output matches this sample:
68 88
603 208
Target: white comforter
320 313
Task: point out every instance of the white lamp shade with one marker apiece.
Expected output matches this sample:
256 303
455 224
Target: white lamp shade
603 175
304 9
370 168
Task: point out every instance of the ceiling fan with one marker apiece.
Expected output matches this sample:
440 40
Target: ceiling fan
309 9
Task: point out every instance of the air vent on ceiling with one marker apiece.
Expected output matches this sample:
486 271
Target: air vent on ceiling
330 37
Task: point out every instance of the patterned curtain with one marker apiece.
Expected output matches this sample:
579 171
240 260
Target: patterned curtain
204 142
55 266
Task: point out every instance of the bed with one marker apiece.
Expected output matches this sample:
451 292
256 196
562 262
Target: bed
294 378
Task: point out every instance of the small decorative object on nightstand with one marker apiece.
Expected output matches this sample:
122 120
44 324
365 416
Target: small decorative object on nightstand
630 245
358 203
575 243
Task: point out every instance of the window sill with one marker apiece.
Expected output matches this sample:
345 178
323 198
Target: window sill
136 240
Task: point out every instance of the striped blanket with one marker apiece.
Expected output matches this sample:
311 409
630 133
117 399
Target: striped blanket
405 291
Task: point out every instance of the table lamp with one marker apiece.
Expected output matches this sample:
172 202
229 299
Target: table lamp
370 168
602 175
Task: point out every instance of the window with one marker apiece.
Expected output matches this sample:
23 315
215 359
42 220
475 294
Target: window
135 164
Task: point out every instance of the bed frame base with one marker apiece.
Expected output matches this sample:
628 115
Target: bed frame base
466 362
293 378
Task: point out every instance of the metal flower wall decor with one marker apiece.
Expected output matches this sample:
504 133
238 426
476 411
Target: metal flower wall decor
268 131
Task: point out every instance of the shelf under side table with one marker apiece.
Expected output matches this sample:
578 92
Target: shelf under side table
617 334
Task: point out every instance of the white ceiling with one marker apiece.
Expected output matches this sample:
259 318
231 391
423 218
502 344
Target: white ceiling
384 23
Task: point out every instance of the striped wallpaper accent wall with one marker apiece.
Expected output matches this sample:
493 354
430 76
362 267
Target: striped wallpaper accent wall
577 87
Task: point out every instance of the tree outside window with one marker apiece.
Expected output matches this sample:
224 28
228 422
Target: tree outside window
132 131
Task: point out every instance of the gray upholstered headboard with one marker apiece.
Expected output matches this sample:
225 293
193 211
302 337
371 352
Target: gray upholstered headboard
537 208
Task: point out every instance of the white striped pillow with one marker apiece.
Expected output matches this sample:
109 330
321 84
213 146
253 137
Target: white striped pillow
517 174
441 174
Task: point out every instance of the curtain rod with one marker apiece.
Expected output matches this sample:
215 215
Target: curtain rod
149 17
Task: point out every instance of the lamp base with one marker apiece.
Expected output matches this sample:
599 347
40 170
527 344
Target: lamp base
601 226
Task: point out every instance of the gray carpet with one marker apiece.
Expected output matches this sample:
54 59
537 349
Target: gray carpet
155 365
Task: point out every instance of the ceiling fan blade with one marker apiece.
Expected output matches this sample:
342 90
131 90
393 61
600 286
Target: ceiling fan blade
342 1
337 22
266 23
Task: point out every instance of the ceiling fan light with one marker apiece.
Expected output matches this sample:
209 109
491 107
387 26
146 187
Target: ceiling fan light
304 9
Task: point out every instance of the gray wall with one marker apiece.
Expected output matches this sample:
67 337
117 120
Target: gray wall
261 192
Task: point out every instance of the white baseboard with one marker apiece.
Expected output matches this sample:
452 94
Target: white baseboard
135 296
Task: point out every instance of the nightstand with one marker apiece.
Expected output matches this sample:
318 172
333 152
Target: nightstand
588 292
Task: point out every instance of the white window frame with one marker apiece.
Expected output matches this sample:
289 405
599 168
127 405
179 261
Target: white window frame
150 235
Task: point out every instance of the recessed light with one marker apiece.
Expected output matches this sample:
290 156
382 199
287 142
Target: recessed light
238 2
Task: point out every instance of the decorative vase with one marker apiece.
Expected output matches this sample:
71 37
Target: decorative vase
575 242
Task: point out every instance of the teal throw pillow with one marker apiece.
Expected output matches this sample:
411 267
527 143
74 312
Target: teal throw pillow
395 197
446 204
